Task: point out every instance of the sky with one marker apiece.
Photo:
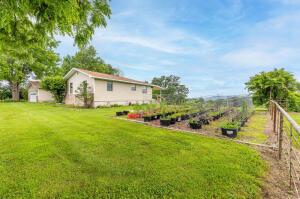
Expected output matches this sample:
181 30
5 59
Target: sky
214 46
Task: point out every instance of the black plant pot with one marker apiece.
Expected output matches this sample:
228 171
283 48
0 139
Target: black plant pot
165 122
232 133
195 125
125 112
173 120
153 117
119 113
147 118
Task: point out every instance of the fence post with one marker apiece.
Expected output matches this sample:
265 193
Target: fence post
290 154
280 135
274 120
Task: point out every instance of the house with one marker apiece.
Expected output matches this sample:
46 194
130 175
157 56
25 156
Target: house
108 89
37 94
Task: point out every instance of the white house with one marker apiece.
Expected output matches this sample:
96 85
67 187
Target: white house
108 89
37 94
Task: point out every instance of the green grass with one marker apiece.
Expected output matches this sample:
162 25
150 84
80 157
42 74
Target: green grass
254 129
57 152
296 117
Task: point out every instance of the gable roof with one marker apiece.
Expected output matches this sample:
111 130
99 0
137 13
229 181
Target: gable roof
35 83
105 76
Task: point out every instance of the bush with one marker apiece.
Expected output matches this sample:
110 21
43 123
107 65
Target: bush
294 102
5 92
57 86
231 125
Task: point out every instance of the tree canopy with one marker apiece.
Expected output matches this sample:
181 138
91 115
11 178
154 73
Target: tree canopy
277 85
28 29
16 65
87 58
25 22
173 91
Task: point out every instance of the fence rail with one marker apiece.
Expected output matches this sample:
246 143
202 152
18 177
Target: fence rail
288 142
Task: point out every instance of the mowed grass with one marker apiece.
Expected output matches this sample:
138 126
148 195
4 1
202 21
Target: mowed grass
296 117
58 152
254 130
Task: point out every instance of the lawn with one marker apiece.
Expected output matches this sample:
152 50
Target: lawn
52 151
296 117
254 129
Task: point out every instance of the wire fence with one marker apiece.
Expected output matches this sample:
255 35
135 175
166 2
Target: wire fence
288 142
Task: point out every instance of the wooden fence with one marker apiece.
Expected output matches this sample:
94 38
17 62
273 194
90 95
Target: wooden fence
288 142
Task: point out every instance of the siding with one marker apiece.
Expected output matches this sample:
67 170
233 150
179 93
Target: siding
45 96
121 94
77 78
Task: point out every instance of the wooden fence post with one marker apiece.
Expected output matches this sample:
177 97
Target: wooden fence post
274 120
290 154
280 135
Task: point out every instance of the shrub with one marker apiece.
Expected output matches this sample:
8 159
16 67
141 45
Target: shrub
5 92
231 125
55 85
85 94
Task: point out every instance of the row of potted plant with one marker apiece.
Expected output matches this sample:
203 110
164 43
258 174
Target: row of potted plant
178 117
237 121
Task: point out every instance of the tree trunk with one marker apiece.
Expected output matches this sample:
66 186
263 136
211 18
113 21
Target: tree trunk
15 91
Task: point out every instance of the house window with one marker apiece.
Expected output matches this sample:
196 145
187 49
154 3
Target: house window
109 86
133 87
144 89
71 88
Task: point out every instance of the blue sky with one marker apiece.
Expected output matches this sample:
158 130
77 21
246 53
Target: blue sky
214 46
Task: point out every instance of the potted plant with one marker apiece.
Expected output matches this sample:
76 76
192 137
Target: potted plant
230 129
173 119
165 121
119 113
147 118
194 124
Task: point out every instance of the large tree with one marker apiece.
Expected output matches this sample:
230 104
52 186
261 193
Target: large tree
173 91
17 65
277 85
87 58
27 27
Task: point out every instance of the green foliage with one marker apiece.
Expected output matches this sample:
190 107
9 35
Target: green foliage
5 92
276 84
85 93
16 65
244 111
87 59
26 22
231 125
194 121
294 102
57 86
173 91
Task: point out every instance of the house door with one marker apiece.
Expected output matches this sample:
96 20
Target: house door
33 97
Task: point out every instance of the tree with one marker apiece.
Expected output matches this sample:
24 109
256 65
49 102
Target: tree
28 29
87 59
276 85
57 86
16 65
27 22
173 91
85 94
